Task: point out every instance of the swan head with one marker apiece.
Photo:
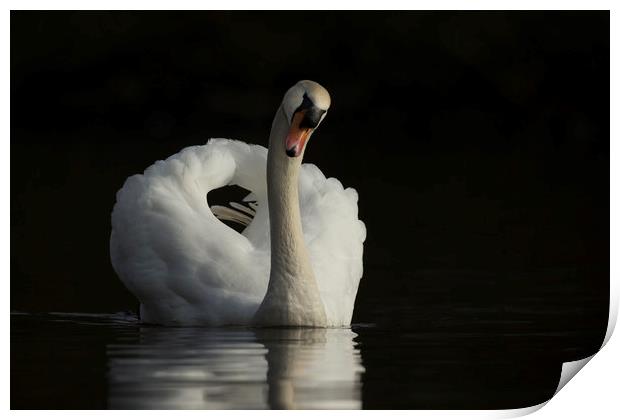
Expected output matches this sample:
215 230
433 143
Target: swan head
304 105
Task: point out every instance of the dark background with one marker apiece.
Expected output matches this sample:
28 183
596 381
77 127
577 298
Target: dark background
478 143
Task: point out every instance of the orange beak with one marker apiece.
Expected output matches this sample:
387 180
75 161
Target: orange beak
297 137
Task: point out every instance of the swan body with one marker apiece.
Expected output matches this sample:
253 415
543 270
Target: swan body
188 268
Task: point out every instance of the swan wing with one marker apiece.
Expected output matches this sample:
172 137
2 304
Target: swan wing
167 246
186 267
334 236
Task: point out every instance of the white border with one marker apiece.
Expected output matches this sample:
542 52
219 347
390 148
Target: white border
311 5
594 392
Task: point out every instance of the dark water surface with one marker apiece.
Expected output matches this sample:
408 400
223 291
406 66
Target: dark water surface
450 353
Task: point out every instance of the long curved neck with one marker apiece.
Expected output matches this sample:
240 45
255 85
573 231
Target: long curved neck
288 251
292 296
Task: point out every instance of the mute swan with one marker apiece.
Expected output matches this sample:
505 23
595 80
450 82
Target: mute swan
188 268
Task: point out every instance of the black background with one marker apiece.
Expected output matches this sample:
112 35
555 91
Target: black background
478 143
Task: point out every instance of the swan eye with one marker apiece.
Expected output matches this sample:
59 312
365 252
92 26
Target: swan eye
306 103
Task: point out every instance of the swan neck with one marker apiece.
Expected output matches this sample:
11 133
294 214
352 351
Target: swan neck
292 297
283 196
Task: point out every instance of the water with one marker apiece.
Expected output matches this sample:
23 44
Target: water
465 352
218 369
150 367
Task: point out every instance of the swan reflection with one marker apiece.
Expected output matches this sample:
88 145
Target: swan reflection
197 368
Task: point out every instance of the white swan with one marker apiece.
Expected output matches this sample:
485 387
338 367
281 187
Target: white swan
188 268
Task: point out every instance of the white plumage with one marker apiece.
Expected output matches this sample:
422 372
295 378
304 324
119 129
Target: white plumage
188 268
